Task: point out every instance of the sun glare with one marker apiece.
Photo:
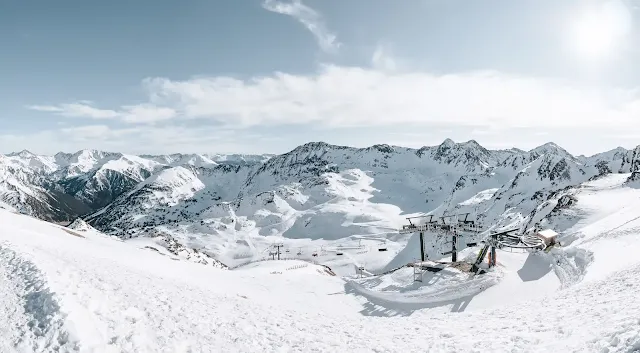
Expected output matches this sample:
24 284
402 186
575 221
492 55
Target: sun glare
599 31
594 35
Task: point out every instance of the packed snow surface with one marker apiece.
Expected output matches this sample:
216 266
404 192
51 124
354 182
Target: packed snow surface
65 291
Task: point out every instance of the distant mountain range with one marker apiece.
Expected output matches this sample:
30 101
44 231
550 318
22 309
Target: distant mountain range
218 203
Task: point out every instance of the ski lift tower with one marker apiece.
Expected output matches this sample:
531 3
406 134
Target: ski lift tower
418 228
276 251
452 225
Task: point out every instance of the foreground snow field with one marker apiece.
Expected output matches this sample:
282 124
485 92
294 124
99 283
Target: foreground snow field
67 290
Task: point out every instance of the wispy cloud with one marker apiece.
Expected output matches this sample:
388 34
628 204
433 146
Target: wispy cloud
383 60
146 113
139 139
77 110
310 18
142 113
88 131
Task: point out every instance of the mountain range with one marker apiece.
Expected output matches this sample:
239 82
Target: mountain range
228 206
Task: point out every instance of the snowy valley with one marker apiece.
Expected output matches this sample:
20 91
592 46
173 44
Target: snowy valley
108 252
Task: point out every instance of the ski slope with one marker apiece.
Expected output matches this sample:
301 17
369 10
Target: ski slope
609 222
63 291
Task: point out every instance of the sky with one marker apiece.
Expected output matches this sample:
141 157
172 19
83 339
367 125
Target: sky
264 76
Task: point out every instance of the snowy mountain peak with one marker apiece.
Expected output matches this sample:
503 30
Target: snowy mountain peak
309 147
130 164
550 148
168 187
22 154
83 161
31 162
172 176
469 154
472 144
550 145
384 148
62 157
447 143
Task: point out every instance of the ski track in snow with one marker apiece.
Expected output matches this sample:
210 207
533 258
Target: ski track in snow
31 318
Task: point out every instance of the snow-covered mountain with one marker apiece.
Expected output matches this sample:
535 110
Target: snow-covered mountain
77 290
226 205
61 187
23 180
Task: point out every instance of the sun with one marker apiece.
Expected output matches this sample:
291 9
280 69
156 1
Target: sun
594 35
600 30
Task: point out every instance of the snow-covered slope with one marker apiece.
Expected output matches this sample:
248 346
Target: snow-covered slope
233 206
64 292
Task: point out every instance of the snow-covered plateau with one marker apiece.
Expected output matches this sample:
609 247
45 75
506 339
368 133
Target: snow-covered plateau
107 252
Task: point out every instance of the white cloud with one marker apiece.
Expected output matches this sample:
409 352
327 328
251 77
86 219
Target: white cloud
310 18
347 96
141 113
146 113
45 108
77 110
88 131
